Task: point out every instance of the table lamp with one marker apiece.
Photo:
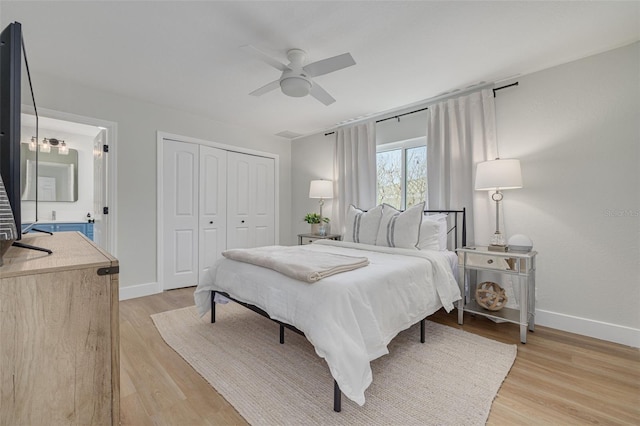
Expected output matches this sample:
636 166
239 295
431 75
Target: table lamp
497 175
321 189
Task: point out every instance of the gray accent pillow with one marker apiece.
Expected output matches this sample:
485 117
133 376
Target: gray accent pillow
400 229
362 226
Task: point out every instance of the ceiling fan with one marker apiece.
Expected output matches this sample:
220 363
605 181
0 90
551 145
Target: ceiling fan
296 79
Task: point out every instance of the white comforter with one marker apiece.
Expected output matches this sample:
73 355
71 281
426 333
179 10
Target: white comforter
350 317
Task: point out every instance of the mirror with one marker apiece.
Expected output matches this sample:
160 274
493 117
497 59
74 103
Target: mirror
57 175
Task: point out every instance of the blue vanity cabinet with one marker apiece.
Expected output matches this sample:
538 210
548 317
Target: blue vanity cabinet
84 227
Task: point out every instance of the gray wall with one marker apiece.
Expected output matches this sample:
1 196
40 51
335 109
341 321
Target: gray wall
575 129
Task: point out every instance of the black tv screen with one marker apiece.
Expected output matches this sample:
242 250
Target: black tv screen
10 110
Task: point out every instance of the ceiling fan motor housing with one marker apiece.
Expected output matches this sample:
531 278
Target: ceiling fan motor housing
293 81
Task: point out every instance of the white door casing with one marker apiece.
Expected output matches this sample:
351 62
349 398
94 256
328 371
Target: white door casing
101 221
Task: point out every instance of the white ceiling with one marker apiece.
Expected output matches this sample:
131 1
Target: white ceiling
186 55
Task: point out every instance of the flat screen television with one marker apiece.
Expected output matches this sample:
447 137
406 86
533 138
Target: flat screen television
10 110
11 53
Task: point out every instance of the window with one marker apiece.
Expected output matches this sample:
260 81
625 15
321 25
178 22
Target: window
402 173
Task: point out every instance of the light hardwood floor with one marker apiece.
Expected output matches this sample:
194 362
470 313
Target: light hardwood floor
558 378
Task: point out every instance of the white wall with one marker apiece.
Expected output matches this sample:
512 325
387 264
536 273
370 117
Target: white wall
138 123
311 158
575 129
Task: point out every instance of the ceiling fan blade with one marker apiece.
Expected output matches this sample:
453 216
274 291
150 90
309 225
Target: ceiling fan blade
264 57
320 94
325 66
266 88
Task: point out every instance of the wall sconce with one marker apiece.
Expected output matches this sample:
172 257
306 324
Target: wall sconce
496 175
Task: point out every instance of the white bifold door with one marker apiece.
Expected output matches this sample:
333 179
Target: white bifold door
213 199
250 201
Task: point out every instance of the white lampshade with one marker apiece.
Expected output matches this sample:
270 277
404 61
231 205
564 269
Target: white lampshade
321 189
498 174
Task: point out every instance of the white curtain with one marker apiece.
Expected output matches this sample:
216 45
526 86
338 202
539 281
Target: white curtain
354 171
461 132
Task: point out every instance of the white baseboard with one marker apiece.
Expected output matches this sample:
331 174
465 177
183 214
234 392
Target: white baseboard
139 290
586 327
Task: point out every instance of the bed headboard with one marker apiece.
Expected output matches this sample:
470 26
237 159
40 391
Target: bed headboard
456 226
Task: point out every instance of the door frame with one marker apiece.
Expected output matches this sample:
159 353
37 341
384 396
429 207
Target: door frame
160 137
111 127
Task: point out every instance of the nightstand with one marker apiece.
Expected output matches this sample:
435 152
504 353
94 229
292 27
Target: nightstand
520 266
309 238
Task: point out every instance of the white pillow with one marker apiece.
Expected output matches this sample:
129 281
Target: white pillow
400 229
433 232
362 226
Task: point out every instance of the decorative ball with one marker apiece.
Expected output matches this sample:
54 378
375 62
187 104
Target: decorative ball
491 296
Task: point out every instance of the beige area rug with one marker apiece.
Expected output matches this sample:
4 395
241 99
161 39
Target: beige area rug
450 379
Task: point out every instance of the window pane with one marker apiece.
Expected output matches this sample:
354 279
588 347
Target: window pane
416 175
389 168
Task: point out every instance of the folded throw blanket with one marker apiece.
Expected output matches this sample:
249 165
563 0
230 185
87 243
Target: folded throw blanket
296 262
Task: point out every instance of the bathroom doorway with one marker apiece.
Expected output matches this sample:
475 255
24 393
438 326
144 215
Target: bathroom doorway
76 177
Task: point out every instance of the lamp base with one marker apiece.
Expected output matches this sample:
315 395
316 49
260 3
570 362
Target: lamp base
495 247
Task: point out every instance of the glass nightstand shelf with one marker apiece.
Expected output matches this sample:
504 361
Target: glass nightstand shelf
520 266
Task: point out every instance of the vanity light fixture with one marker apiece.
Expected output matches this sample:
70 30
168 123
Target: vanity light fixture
33 145
45 146
63 149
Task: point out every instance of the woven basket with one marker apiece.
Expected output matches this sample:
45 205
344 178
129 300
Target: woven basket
491 296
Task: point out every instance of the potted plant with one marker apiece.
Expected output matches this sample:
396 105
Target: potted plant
314 220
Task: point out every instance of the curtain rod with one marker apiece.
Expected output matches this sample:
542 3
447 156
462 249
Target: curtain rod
424 109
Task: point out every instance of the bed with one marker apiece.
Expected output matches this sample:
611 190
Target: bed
349 317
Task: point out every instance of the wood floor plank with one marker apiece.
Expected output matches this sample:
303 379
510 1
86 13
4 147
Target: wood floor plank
557 378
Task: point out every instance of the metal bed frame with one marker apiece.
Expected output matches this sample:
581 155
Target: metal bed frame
337 394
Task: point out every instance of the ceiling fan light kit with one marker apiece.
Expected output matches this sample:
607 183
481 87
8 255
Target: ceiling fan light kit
296 79
295 86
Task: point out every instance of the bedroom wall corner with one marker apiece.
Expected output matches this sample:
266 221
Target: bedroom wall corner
311 158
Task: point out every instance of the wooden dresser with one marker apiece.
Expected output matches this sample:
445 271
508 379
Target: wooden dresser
59 339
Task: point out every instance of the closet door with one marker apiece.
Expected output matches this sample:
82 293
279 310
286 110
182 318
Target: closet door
250 201
213 206
180 183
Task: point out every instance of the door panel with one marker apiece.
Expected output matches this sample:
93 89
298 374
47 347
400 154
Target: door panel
213 202
185 185
264 194
251 204
184 242
180 207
